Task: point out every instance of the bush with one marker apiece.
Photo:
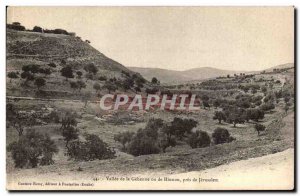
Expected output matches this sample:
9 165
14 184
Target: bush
124 138
16 26
259 128
32 149
91 68
91 149
255 114
12 75
199 139
37 29
183 127
219 115
221 135
52 65
102 78
142 144
39 82
267 106
67 72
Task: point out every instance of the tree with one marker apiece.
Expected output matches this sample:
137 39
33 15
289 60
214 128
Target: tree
12 75
39 82
91 68
32 149
37 29
97 87
16 26
67 72
31 68
255 114
199 139
27 76
216 103
102 78
219 115
68 128
137 89
267 106
79 74
286 108
206 104
110 86
17 119
286 99
264 89
164 141
52 65
127 83
154 80
74 85
70 133
142 144
45 71
91 149
259 128
221 135
124 138
81 85
235 115
182 127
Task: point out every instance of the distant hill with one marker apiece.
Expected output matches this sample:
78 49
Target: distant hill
171 76
282 66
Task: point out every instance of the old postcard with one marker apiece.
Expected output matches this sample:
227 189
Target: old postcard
150 98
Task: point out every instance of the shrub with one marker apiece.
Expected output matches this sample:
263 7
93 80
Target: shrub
97 87
79 74
165 141
37 29
52 65
182 127
221 135
142 144
219 115
154 80
255 114
259 128
199 139
267 106
54 117
91 68
124 138
67 72
91 149
32 149
81 85
12 75
102 78
39 82
16 26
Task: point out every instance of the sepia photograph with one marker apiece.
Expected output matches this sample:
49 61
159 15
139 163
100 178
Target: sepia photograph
157 98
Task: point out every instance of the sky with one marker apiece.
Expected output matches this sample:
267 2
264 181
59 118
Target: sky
177 38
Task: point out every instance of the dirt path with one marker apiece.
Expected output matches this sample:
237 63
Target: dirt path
275 171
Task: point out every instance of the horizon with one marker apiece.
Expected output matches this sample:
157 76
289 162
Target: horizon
209 67
226 38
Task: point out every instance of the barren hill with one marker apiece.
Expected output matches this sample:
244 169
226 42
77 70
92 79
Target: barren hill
171 76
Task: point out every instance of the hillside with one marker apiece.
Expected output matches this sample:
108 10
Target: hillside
171 76
282 66
43 49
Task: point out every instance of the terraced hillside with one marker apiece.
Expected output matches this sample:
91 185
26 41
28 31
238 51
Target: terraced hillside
54 52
